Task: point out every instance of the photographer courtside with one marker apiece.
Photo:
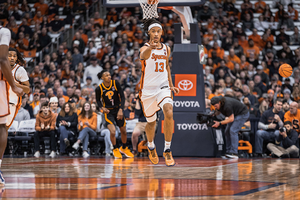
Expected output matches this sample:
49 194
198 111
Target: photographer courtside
236 115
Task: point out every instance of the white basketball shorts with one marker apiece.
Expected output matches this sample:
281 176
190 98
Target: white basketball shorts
152 104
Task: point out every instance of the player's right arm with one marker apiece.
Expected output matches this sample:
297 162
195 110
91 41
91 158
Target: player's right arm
146 51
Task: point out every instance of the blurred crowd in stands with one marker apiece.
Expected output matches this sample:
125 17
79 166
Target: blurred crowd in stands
245 43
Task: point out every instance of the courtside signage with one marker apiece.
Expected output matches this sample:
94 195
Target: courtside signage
187 84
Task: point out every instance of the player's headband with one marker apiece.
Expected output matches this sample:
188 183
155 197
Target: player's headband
154 25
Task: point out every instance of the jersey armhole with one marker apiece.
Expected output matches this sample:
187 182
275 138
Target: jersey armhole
101 90
115 85
15 75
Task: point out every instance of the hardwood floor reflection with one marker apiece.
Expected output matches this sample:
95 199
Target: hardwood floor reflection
191 178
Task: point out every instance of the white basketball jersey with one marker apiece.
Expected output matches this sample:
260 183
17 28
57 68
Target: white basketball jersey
20 75
155 74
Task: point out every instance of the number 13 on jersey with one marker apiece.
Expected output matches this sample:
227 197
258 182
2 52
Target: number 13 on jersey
159 67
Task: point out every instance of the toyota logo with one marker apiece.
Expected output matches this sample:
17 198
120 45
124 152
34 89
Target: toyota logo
185 85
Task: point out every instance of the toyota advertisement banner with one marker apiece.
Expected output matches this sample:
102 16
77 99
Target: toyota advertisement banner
189 137
189 97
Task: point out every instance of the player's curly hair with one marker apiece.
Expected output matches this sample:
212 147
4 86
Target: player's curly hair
148 22
20 59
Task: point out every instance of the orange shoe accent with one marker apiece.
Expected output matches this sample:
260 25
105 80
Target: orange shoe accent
169 159
153 156
126 152
117 153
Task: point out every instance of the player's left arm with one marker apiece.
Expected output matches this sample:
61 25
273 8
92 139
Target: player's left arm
172 88
25 86
23 79
122 103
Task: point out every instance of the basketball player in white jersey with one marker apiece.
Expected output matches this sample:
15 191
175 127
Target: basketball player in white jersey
156 89
6 80
21 79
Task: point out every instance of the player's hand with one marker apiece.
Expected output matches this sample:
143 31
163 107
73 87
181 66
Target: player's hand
174 89
87 123
216 124
153 45
48 127
42 126
120 114
80 123
105 110
18 91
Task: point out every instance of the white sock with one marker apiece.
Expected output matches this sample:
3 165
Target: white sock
167 145
151 145
0 162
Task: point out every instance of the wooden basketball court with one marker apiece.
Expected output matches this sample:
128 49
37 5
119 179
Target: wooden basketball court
191 178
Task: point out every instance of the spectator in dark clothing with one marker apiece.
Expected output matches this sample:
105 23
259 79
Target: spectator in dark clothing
3 12
286 22
248 24
25 28
254 112
269 124
53 8
28 107
45 126
287 85
78 41
227 41
263 75
45 39
69 13
274 69
288 140
238 49
204 14
66 123
246 91
259 84
77 58
56 25
35 42
282 37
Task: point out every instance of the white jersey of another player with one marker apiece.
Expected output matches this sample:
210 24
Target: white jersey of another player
20 75
155 74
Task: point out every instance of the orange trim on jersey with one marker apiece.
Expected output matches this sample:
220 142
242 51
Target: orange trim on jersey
7 96
124 123
15 66
143 62
18 66
115 85
106 87
106 119
18 106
